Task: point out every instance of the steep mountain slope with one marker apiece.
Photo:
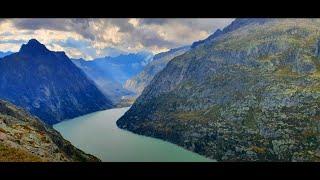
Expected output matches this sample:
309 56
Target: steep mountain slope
26 138
211 37
141 80
48 84
110 73
250 94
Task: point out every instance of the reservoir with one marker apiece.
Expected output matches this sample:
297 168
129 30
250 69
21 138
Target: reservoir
98 134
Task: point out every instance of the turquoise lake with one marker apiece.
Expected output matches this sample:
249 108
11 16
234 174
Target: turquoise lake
98 134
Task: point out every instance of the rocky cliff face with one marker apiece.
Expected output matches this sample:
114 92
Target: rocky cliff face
140 81
250 94
48 84
25 138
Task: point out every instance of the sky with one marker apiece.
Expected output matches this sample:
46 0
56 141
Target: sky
92 38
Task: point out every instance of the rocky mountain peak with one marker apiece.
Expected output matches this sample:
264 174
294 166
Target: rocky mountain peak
47 84
33 47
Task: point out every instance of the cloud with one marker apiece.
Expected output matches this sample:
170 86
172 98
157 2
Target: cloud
80 26
12 41
103 37
158 21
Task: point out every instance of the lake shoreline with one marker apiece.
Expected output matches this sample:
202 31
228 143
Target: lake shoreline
165 140
98 134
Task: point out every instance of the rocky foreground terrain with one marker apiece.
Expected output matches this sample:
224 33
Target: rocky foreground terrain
24 138
249 93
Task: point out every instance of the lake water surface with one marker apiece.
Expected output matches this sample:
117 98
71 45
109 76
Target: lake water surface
98 134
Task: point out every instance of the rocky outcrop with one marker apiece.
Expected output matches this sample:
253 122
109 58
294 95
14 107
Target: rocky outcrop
252 94
47 84
26 138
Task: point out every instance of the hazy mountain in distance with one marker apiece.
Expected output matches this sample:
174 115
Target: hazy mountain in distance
141 80
3 54
104 80
110 73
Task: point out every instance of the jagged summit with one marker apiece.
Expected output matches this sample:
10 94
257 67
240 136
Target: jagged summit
33 47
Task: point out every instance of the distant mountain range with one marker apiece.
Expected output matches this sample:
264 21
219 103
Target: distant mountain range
248 93
110 73
2 54
48 84
24 138
141 80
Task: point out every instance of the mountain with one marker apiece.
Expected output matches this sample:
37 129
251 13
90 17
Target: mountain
233 26
104 80
48 84
211 37
26 138
110 73
3 54
250 94
141 80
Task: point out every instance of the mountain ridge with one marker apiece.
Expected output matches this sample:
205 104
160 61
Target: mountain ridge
250 94
237 23
48 84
